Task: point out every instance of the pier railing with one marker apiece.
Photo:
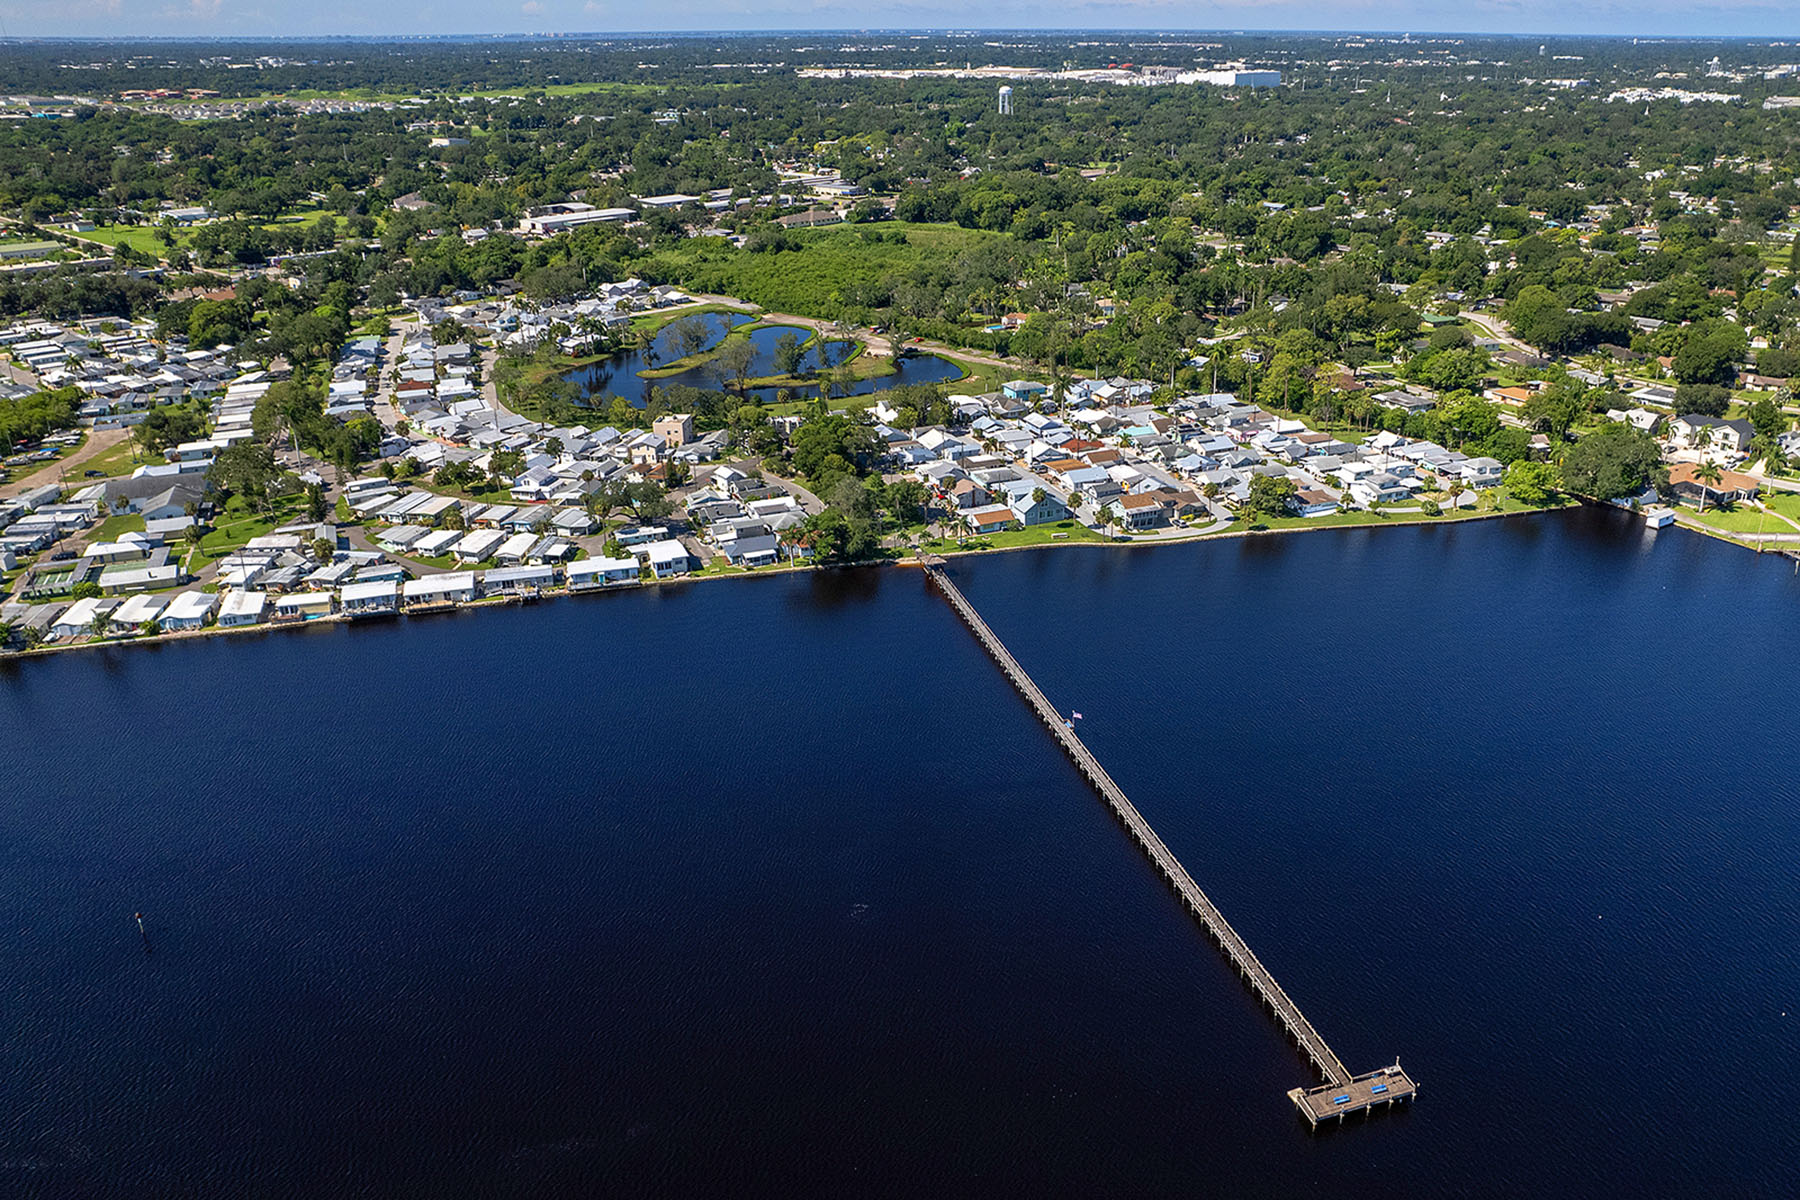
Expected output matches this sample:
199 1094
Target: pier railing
1261 982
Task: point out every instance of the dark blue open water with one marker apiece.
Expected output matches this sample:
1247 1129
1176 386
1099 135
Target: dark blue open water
774 888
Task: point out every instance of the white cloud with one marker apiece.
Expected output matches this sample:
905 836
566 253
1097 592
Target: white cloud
531 8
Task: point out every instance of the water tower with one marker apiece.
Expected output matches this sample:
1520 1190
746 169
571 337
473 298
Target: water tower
1006 102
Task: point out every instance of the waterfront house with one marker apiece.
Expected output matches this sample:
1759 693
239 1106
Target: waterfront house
1313 502
372 598
240 608
759 550
80 616
991 519
439 591
1733 486
1383 488
518 581
136 612
303 606
601 572
1142 512
668 558
1032 511
188 610
1482 472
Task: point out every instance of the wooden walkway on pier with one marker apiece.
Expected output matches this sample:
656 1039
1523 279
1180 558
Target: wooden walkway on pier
1343 1092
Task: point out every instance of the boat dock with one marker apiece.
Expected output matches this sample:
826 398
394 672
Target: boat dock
1342 1093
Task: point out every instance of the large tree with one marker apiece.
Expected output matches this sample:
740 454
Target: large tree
1614 461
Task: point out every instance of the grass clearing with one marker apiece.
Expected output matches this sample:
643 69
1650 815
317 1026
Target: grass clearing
114 527
121 459
818 278
1743 518
238 524
1009 539
144 239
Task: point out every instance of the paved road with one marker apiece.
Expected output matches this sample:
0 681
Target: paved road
808 501
1496 329
99 441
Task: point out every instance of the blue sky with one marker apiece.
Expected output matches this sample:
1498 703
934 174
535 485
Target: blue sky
188 18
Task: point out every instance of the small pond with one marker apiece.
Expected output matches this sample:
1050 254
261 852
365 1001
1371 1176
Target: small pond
621 374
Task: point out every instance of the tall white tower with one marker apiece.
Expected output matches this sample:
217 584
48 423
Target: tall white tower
1006 102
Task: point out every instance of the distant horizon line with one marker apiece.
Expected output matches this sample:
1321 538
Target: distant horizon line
940 31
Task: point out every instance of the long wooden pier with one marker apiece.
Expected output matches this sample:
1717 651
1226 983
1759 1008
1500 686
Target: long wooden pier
1342 1093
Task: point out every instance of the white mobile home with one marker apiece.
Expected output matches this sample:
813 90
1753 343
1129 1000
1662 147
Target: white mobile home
478 545
378 598
515 548
303 606
80 616
602 572
518 581
238 609
668 558
137 611
189 610
434 591
434 543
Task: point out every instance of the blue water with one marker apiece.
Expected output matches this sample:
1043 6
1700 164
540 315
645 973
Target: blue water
912 369
773 887
620 374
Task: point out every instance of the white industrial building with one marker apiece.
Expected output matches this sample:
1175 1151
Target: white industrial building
571 216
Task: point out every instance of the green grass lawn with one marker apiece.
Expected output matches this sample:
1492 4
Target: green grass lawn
554 89
979 379
121 459
1747 518
815 279
1501 502
110 529
1036 535
145 239
238 524
300 216
668 316
1785 503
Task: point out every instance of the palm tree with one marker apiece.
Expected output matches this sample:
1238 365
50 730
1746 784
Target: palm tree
794 538
1709 476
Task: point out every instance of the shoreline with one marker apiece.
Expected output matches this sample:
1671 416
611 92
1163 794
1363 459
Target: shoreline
337 619
905 562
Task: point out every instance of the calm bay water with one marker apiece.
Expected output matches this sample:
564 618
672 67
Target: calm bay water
774 887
